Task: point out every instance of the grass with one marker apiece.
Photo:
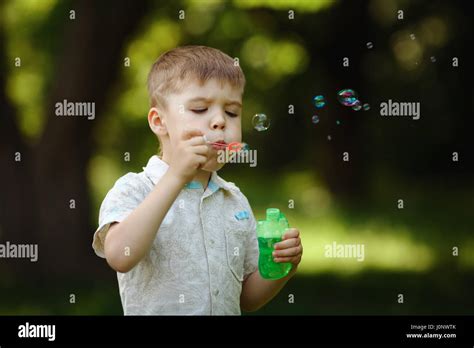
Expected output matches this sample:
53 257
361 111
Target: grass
406 251
443 291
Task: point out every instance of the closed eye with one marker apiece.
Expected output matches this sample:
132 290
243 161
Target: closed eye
231 114
199 111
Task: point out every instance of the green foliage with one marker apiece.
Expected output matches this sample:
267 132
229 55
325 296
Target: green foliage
288 62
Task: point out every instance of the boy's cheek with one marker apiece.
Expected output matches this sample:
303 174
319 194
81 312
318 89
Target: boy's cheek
235 132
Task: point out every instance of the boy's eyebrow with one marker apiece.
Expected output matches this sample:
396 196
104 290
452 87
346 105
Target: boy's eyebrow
234 103
198 99
206 100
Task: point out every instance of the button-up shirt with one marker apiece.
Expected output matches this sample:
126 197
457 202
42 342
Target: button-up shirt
205 248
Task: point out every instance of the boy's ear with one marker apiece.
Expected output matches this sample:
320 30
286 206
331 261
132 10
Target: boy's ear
157 122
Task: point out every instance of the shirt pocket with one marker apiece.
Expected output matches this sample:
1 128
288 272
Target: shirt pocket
235 250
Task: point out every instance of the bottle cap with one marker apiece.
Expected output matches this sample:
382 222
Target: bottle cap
273 214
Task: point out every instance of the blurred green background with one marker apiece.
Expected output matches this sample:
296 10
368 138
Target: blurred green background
290 51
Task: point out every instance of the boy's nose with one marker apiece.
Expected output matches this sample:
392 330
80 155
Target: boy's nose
218 122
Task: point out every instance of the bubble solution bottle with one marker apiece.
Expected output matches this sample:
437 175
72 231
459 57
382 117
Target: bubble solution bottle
270 232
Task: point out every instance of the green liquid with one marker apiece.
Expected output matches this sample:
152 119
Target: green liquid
267 267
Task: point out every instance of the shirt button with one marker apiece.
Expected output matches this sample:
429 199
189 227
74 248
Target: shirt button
216 292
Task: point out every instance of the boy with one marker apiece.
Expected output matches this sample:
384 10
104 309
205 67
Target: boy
175 232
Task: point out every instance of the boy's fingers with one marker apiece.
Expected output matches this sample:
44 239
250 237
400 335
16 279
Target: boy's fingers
201 150
201 160
287 243
288 252
288 259
190 133
291 233
195 140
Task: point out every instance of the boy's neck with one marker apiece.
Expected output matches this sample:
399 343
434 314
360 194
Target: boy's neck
203 177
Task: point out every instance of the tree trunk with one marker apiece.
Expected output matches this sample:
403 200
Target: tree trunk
43 190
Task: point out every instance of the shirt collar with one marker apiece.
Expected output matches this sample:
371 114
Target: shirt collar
156 168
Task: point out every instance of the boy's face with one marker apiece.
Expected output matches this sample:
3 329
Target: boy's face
213 108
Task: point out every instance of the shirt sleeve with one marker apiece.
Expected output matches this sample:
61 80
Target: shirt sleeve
127 193
252 252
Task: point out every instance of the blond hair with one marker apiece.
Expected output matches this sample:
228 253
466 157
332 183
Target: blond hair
200 62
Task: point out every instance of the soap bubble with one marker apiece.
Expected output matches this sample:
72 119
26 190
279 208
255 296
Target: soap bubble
412 36
319 101
338 122
366 107
315 119
329 137
260 122
357 105
236 147
347 97
433 59
370 45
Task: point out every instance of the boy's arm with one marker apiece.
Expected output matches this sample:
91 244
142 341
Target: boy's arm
257 291
138 230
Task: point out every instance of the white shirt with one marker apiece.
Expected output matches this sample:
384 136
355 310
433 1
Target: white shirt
204 249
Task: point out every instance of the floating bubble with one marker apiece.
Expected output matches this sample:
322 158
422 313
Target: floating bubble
319 101
260 128
338 122
366 107
329 137
260 122
433 59
236 147
347 97
412 36
315 119
357 105
370 45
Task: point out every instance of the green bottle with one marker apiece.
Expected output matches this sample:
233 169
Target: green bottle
270 232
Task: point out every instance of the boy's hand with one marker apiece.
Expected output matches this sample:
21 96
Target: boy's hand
189 155
290 248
